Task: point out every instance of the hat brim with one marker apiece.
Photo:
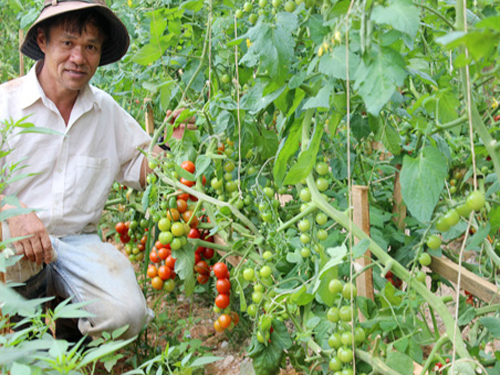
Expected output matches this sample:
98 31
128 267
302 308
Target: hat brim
117 42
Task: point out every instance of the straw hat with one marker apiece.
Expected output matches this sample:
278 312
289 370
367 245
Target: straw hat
117 42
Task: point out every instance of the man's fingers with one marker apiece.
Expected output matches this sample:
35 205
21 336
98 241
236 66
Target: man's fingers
47 250
38 250
28 251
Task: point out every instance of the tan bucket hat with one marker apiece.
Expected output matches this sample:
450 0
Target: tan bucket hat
117 42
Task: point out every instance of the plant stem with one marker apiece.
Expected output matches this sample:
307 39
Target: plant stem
378 367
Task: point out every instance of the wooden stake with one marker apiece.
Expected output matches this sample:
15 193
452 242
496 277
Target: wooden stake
21 56
361 217
150 123
469 281
398 208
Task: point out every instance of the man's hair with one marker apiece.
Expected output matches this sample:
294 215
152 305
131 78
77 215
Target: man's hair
76 22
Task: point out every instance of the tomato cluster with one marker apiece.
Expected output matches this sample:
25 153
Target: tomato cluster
134 236
161 270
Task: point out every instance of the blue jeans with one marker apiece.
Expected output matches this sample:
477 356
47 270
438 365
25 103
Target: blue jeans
88 269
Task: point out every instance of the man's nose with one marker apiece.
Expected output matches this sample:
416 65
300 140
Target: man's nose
77 55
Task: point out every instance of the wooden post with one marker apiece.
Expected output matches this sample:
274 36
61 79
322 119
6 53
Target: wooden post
150 123
361 217
398 208
469 281
21 56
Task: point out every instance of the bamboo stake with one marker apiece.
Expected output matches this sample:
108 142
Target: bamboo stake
361 217
21 56
150 124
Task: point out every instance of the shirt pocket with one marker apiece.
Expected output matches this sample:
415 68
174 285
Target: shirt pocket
92 183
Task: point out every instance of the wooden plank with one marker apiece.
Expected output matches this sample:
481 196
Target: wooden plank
469 281
150 122
398 208
361 217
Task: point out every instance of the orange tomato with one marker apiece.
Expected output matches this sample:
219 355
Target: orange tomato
224 320
218 327
157 283
173 214
188 166
194 221
235 318
164 272
152 271
182 206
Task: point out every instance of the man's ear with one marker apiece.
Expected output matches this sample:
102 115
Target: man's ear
41 39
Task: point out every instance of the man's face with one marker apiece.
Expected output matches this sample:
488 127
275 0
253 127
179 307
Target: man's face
71 59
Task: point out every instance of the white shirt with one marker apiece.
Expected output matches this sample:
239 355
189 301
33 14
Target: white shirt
72 172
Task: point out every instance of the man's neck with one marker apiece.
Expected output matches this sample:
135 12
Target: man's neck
63 99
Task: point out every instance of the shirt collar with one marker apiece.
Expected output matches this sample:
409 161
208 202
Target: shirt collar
34 92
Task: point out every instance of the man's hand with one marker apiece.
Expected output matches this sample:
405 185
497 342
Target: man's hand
36 248
179 130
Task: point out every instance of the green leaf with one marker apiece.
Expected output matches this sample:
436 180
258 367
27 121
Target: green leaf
273 45
360 127
184 268
19 369
400 14
306 161
447 106
400 362
93 355
205 361
267 359
378 77
422 180
267 145
288 146
152 51
492 324
391 139
360 248
301 297
321 100
333 64
323 291
494 219
478 237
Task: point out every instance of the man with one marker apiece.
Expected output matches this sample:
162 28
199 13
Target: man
71 172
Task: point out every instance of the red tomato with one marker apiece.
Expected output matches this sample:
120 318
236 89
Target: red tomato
203 180
188 166
164 253
159 245
223 286
152 271
164 272
121 228
125 238
208 253
202 279
186 182
182 206
202 267
170 262
186 216
194 233
220 270
183 196
197 258
224 320
193 198
222 301
153 257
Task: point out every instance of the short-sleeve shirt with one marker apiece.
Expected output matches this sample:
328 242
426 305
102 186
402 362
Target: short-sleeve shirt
69 174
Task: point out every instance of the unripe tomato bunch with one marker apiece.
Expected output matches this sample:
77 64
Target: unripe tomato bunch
134 236
343 335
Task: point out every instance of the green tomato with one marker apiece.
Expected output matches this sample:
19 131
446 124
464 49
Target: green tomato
247 7
452 217
464 210
229 166
225 77
321 168
252 310
249 274
424 259
335 364
334 341
176 244
348 289
442 224
305 238
305 195
165 237
276 3
345 355
475 200
164 224
346 338
322 234
231 186
322 184
262 3
305 252
269 192
258 287
253 18
169 285
265 272
257 297
267 254
434 242
421 276
335 286
216 183
290 6
333 314
304 225
345 313
238 13
359 335
321 218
